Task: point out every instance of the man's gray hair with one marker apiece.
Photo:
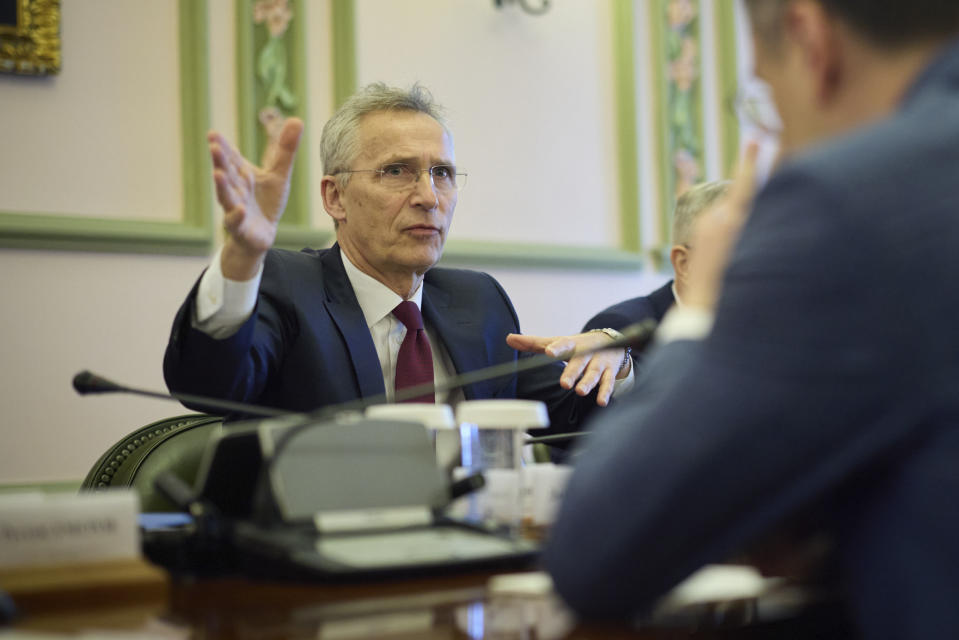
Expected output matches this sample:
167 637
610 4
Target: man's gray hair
693 202
338 144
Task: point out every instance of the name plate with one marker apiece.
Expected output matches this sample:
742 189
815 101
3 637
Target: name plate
49 529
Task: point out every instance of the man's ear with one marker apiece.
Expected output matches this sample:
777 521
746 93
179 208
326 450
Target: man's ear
679 257
333 198
816 34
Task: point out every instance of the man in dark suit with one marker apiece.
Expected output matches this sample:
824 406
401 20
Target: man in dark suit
815 381
655 305
300 331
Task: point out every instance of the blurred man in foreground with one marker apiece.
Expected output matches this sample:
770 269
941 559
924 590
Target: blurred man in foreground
812 374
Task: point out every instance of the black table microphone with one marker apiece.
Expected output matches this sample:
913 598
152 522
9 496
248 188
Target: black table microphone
87 382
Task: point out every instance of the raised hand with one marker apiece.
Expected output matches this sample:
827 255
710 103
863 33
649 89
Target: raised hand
582 372
253 198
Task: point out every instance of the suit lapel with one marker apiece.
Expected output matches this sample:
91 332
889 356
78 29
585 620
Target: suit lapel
346 313
461 334
662 299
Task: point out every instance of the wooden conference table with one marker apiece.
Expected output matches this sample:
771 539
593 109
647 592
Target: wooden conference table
452 606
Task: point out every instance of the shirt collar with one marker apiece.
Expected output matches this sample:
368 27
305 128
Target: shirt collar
376 299
679 302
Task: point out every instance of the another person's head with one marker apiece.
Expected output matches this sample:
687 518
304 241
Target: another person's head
392 214
689 205
836 64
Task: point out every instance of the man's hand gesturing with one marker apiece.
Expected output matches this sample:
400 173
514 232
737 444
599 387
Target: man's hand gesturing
253 198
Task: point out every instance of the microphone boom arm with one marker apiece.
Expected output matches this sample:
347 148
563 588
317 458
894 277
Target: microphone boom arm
636 336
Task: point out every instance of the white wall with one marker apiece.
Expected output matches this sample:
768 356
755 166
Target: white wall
104 141
100 139
63 312
508 77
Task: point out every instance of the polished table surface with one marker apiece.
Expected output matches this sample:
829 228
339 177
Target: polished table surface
453 606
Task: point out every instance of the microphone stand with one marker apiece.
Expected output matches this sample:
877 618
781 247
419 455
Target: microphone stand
87 382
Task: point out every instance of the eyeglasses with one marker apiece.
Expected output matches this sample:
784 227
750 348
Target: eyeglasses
754 104
399 176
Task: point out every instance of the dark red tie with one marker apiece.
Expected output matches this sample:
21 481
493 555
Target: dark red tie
414 363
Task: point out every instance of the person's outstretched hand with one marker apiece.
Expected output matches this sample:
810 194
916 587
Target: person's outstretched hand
583 372
253 198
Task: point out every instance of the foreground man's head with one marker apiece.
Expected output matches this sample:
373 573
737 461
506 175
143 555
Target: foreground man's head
836 64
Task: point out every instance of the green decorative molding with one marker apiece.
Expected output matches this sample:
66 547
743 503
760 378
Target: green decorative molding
658 107
625 79
194 232
271 78
76 233
677 69
343 49
727 70
296 238
55 486
517 254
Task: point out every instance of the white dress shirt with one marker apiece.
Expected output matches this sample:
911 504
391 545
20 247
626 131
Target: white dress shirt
684 323
377 302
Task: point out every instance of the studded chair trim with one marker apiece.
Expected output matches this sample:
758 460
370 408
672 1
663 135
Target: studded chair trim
123 459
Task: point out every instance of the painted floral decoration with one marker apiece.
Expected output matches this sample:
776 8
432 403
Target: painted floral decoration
682 55
271 64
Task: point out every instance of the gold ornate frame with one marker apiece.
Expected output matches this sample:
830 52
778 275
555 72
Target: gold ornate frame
31 44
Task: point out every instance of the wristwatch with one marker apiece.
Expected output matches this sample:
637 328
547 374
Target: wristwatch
616 335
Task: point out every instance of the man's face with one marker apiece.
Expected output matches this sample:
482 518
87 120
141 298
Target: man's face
783 66
771 67
392 232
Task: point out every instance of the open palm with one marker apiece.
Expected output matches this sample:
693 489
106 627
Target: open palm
254 198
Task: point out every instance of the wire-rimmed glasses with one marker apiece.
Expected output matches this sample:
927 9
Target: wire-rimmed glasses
399 176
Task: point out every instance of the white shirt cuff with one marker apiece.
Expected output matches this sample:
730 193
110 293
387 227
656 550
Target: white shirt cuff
685 323
624 385
223 305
